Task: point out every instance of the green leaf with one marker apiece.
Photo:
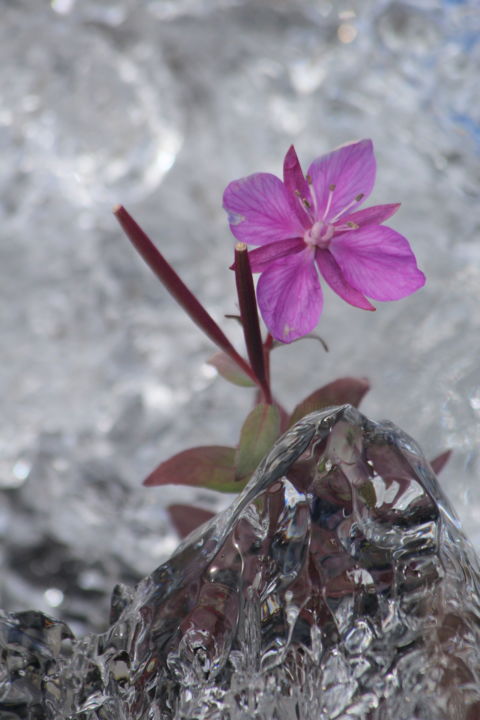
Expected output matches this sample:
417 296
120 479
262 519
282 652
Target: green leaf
259 432
228 369
341 391
210 466
367 492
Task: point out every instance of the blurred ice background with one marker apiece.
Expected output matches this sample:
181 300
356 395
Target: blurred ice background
158 104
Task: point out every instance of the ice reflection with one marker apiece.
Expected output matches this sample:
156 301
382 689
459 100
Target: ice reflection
98 127
315 594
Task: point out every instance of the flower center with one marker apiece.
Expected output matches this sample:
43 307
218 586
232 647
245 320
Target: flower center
322 231
319 235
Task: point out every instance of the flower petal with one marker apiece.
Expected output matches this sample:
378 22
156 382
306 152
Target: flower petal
290 297
297 186
350 170
378 262
375 215
261 258
259 210
332 274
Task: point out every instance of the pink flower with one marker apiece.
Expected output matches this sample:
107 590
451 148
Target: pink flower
310 226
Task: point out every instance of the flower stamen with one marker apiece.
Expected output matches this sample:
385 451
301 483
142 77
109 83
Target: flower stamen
355 200
346 226
331 190
304 204
309 180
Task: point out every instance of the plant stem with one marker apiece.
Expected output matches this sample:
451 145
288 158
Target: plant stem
267 347
177 288
249 315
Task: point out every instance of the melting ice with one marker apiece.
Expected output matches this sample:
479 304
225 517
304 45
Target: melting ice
337 585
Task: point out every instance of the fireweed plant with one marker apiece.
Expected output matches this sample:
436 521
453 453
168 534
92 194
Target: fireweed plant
306 228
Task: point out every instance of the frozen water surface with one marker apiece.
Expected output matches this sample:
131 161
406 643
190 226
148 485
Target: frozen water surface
158 105
337 585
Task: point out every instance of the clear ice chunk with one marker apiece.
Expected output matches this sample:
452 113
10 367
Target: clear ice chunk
337 585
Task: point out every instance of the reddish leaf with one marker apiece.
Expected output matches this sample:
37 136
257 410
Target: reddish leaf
210 466
186 518
440 461
228 369
338 392
259 432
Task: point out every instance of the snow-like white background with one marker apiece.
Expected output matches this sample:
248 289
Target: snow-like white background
158 104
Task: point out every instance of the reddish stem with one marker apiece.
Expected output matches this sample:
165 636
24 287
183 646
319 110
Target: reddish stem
267 347
249 315
177 288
